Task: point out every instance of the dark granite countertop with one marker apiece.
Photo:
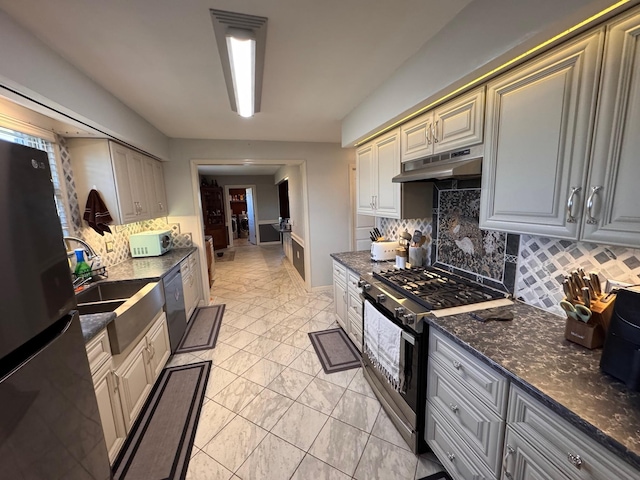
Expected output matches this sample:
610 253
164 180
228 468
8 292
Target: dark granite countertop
150 268
93 323
532 351
361 263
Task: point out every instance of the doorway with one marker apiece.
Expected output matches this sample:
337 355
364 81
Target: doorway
242 212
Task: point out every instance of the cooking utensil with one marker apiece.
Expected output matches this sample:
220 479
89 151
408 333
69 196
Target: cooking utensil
577 280
577 312
377 232
417 235
586 296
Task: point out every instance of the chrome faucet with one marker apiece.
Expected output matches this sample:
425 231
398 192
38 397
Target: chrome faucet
87 248
91 254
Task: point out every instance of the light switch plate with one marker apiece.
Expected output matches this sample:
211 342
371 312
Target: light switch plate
108 246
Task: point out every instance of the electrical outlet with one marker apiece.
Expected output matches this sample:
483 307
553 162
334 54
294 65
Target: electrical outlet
108 245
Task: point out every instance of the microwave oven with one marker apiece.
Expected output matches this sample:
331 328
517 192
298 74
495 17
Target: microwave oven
150 244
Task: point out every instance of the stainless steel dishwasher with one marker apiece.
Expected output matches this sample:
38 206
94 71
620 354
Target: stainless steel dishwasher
174 306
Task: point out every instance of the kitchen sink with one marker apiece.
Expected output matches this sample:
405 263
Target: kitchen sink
135 303
110 291
99 307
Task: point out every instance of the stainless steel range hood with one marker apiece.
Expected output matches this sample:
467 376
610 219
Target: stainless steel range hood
465 163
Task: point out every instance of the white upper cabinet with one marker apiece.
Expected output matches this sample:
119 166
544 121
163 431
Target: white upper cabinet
386 196
612 208
365 179
458 123
130 183
377 163
538 133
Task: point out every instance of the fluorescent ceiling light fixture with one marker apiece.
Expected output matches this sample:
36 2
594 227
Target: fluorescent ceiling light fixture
241 44
242 54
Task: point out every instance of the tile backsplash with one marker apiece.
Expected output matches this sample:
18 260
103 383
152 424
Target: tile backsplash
543 262
392 228
120 233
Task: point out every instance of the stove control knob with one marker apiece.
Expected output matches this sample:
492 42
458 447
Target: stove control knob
399 311
409 318
361 283
366 287
381 297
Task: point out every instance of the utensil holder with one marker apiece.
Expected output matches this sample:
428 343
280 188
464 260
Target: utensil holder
590 335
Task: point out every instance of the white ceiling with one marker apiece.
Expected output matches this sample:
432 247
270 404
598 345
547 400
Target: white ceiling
160 58
242 169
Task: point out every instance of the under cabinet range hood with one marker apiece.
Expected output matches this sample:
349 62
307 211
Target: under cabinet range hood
464 163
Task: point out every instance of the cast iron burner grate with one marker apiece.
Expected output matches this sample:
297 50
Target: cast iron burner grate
437 289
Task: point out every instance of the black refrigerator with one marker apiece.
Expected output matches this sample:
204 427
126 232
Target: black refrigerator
49 420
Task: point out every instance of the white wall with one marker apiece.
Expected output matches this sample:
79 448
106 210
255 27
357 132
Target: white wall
327 180
482 36
31 68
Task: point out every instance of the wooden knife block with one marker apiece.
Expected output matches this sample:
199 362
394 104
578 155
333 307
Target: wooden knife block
590 335
593 333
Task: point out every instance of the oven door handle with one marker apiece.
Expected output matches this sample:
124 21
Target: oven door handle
408 338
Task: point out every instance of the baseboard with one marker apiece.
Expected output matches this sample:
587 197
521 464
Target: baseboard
276 242
322 289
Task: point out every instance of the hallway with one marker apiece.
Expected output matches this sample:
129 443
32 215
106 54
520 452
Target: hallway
270 411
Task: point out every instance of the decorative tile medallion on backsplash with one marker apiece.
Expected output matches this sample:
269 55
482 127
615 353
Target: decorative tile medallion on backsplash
462 247
545 261
461 243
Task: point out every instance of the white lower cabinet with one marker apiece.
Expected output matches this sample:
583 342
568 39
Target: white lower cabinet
346 297
470 406
451 450
134 382
524 462
110 408
466 403
123 383
549 441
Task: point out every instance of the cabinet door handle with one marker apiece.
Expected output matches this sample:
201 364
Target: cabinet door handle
375 201
451 456
435 132
457 365
505 469
116 381
591 220
428 133
454 408
575 460
574 192
160 206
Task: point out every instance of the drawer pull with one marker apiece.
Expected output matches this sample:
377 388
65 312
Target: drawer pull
451 456
457 365
510 450
575 460
454 408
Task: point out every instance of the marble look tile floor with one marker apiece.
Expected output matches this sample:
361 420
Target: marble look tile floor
270 411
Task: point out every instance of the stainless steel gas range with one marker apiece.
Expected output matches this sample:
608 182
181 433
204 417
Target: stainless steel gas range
405 297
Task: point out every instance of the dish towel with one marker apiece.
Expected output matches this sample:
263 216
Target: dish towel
96 213
382 345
